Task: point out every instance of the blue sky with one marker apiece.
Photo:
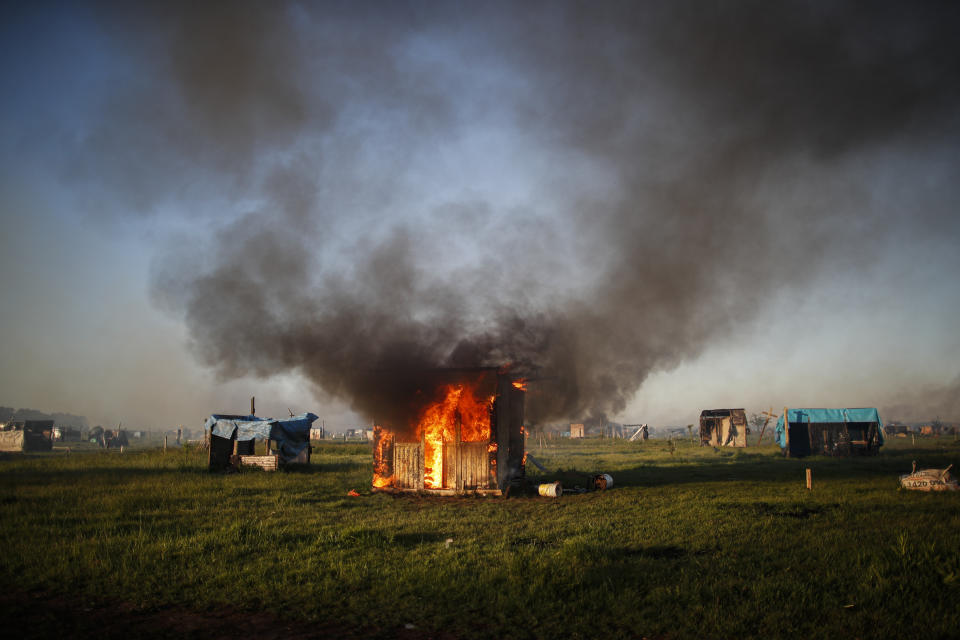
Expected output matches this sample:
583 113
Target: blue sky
655 207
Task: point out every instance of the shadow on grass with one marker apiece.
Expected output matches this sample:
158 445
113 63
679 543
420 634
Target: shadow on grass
114 474
376 538
794 510
742 466
135 469
656 552
342 467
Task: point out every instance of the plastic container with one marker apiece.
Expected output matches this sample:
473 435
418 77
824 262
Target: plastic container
550 490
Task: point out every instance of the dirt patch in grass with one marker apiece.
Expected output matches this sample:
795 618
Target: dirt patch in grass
34 614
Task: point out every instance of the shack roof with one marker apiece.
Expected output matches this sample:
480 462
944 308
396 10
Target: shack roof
720 413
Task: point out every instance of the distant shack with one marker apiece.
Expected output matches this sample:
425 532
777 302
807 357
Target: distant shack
576 430
830 432
27 435
723 428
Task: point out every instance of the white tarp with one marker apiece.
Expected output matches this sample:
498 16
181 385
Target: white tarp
929 480
11 440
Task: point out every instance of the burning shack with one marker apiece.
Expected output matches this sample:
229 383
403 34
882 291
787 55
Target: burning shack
829 432
461 431
723 428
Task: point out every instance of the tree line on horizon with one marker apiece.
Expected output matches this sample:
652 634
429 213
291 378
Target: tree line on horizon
9 414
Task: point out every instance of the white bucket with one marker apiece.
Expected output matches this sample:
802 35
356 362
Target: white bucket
602 481
551 490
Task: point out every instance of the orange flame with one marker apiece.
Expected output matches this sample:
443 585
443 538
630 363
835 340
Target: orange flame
520 384
438 425
382 476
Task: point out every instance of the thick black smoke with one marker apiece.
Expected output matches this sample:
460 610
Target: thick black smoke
702 156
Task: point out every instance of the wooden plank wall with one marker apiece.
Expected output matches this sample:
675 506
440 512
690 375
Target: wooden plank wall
474 471
408 465
468 470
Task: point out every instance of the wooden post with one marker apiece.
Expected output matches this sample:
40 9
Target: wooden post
421 481
253 406
786 430
809 480
769 415
235 443
458 454
164 443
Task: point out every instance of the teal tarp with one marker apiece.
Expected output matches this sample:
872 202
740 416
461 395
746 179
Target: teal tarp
819 416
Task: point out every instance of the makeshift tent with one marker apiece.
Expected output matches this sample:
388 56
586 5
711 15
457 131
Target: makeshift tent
831 432
291 437
723 427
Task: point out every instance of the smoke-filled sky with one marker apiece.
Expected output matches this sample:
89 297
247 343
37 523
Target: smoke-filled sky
649 208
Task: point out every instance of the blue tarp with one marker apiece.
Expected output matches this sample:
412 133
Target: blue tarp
819 416
292 435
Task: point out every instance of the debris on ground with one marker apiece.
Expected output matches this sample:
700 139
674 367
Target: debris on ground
929 480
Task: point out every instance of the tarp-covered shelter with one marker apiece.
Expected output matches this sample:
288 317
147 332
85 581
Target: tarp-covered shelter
723 427
230 434
830 432
27 435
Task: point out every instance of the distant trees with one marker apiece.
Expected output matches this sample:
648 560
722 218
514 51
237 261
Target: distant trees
9 414
756 421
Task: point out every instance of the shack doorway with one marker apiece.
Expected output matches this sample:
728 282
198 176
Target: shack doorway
799 440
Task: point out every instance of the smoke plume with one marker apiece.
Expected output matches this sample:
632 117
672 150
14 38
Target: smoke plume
932 403
683 162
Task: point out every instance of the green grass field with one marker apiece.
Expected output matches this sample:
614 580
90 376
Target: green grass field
690 543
